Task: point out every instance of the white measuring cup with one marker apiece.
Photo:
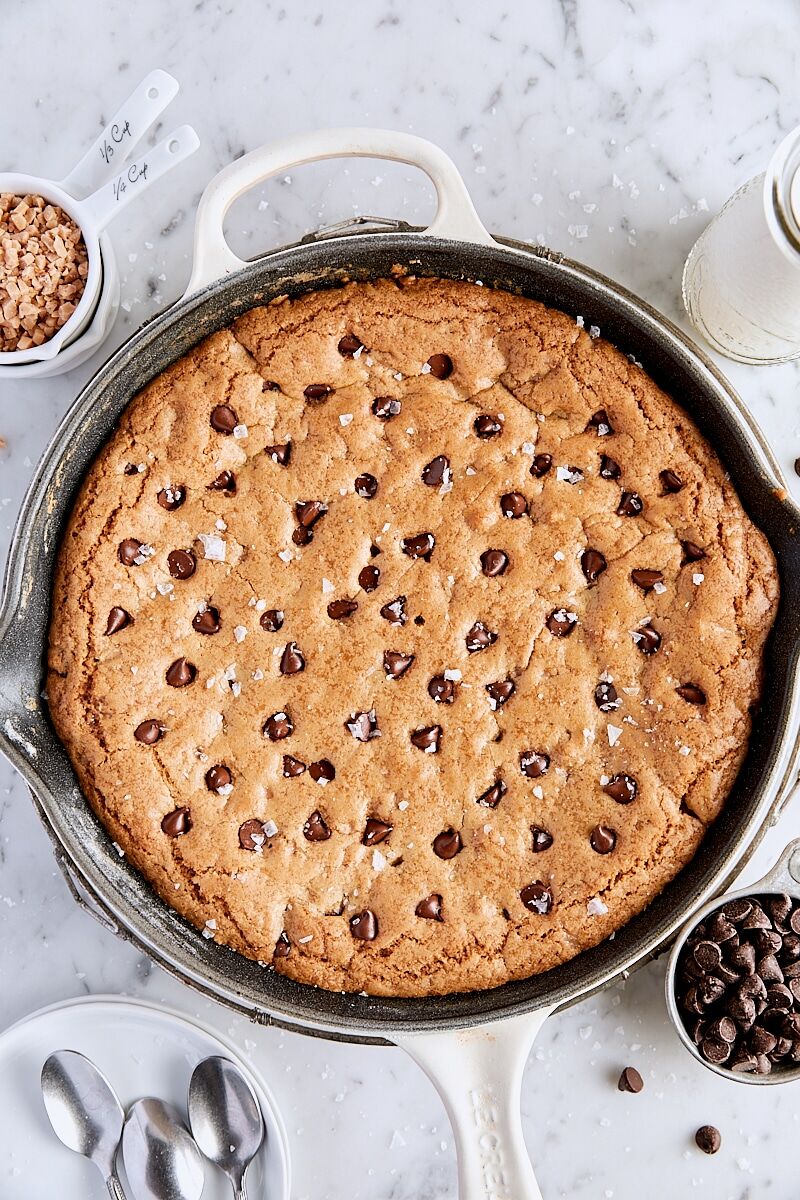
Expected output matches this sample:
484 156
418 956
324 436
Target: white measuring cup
116 182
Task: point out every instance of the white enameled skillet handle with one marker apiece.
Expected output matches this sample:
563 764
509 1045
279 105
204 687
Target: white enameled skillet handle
455 215
478 1074
103 205
122 134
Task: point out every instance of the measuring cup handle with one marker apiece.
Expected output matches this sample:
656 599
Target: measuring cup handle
478 1074
104 204
455 215
122 134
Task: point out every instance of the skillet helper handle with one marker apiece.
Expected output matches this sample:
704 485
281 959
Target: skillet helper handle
478 1074
455 216
122 134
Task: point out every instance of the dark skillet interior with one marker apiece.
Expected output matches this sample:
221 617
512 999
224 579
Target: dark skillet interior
294 270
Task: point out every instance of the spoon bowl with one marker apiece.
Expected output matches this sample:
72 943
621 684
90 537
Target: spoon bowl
161 1159
226 1118
84 1110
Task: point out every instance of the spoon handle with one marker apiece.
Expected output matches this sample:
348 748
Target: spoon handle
115 1187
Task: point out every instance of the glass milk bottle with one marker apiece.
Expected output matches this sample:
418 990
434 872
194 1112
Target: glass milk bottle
741 282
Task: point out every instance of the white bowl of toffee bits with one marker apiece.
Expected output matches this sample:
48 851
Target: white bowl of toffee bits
733 980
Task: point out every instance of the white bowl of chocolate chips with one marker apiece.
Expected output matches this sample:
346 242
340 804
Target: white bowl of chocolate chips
733 980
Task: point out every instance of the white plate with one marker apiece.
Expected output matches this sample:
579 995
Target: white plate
143 1050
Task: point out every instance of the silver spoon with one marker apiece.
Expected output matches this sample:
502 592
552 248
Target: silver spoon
84 1112
161 1160
226 1118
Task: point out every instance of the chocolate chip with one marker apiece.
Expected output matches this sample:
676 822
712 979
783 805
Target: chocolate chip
479 637
269 385
292 767
118 618
366 486
427 738
725 1028
368 580
375 831
280 453
419 620
780 908
691 693
172 497
447 844
395 611
208 621
272 620
561 623
430 908
622 788
322 772
769 969
493 795
691 553
541 465
252 835
349 345
131 469
670 482
593 564
340 610
363 726
600 423
715 1050
182 564
743 1062
283 947
708 1139
419 546
441 365
364 926
315 828
395 663
488 425
646 578
537 898
534 763
149 732
647 639
437 471
737 910
218 777
292 661
707 955
541 839
223 419
605 696
442 690
513 505
630 505
315 393
181 673
177 822
494 562
603 839
225 482
500 692
278 726
386 407
608 468
302 536
308 512
129 551
630 1081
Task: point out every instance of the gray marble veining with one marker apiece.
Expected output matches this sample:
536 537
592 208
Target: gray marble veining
608 130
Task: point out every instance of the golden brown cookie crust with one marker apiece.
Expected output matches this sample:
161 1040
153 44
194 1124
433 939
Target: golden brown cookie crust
552 390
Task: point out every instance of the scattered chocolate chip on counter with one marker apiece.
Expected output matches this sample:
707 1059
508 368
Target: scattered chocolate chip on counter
630 1080
708 1138
738 985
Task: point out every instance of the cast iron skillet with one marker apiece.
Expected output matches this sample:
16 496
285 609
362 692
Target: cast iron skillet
222 287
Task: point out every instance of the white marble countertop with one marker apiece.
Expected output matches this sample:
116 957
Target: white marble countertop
609 131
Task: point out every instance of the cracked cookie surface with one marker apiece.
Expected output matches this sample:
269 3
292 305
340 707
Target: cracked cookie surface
405 637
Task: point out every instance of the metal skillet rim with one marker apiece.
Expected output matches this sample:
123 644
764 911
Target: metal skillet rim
53 459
